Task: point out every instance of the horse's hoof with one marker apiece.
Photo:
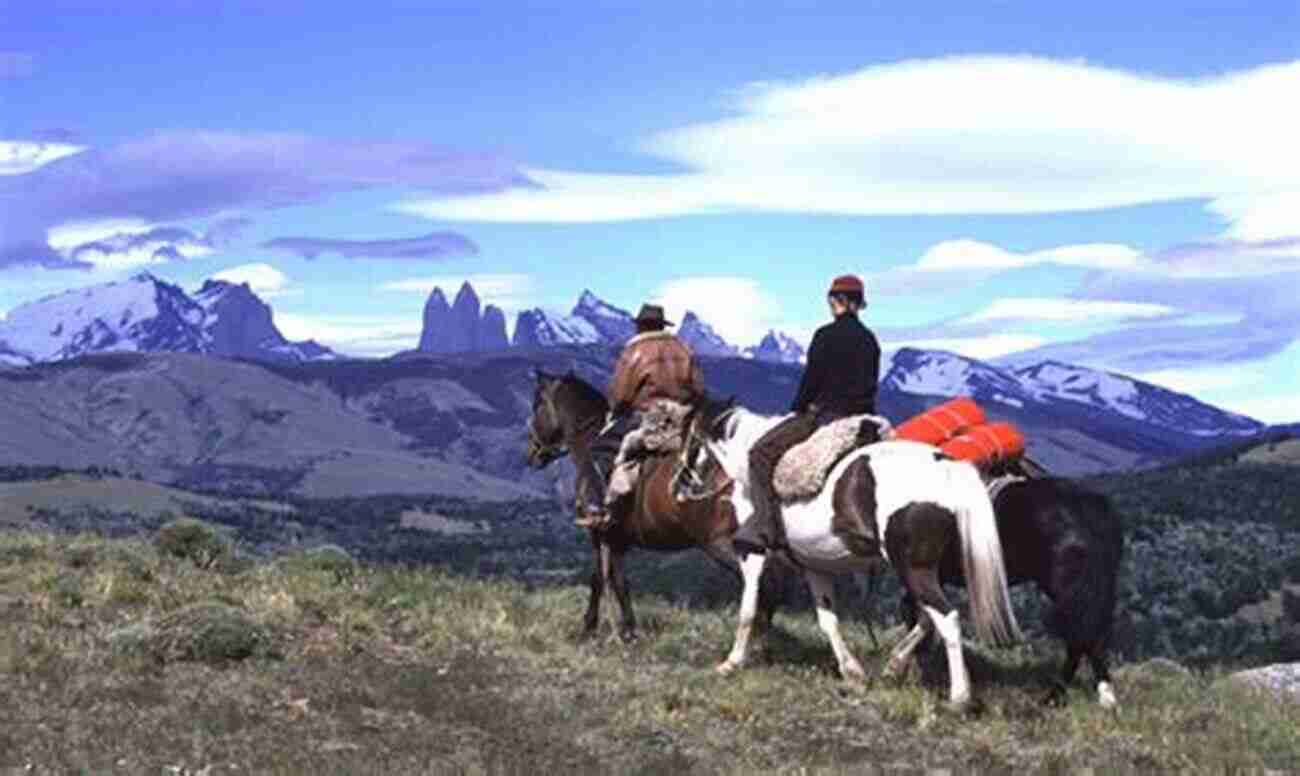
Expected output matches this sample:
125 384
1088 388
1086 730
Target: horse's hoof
726 668
967 706
853 673
895 670
1055 697
1106 696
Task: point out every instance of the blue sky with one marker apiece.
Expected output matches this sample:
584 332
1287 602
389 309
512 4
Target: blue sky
1115 185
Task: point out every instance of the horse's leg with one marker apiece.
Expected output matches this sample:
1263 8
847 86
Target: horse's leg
906 649
1101 674
618 579
591 621
1056 695
751 571
723 552
823 592
924 582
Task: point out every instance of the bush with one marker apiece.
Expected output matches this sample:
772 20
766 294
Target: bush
329 558
195 541
209 632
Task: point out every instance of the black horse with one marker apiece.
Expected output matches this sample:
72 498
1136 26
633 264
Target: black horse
1070 541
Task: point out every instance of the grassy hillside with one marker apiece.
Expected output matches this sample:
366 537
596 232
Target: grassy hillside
119 656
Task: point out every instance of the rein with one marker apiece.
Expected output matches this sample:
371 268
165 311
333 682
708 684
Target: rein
696 490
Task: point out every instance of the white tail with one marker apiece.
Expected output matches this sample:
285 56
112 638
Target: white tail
982 564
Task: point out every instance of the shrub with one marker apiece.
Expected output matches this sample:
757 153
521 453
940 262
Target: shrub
208 632
329 558
195 541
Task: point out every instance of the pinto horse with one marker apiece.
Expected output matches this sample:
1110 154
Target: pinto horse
1069 541
566 418
913 501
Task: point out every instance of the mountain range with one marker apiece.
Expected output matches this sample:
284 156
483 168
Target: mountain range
146 314
450 417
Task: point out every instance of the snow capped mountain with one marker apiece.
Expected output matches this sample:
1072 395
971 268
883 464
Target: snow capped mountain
1054 381
778 347
938 373
145 314
537 328
702 339
1060 389
614 324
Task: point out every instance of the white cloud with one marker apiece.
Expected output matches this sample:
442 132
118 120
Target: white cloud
361 335
1197 381
967 254
265 281
1283 408
737 308
1258 217
986 347
65 237
1063 310
18 157
988 134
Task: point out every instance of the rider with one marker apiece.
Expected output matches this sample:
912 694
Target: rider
840 379
654 365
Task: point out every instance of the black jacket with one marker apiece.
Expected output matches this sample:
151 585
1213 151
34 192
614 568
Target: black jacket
843 369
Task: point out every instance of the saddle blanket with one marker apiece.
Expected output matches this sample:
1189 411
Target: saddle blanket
801 473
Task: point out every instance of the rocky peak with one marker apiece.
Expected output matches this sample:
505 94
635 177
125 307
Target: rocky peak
702 339
778 347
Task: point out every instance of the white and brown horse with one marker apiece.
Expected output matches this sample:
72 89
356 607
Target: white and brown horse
916 502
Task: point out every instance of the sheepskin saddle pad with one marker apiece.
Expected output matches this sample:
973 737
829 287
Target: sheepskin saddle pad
801 473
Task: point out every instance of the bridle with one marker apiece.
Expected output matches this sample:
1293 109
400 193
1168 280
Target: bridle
543 452
698 489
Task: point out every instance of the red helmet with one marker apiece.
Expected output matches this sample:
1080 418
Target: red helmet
847 284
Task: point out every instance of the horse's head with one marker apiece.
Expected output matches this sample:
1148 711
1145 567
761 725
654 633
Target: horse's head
545 426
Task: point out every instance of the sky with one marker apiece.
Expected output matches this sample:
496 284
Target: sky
1113 185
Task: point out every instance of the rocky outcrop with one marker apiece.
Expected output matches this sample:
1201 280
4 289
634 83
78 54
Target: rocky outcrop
463 326
777 347
702 339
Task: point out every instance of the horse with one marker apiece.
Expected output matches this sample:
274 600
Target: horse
567 413
1069 541
911 500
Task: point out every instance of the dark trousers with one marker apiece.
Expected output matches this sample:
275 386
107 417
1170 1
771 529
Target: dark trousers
764 529
594 477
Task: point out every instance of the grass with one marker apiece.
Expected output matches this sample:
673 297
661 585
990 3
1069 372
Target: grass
400 670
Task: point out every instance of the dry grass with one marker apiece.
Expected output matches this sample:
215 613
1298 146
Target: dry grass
389 670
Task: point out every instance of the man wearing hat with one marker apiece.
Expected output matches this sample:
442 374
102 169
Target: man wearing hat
656 370
839 379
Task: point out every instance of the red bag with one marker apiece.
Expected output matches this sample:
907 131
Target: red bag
939 424
986 443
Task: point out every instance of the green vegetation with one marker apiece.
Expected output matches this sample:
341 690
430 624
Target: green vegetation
158 664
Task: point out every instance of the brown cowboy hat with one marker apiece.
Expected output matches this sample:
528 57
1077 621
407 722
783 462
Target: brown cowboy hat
652 313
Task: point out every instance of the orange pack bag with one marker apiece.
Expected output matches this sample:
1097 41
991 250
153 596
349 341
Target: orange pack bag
986 443
941 423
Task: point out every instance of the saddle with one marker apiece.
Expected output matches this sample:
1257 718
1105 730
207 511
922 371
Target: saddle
660 433
801 473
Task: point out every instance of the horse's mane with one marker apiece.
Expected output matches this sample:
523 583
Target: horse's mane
585 391
742 430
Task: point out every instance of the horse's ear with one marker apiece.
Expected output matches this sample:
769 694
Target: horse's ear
731 402
542 375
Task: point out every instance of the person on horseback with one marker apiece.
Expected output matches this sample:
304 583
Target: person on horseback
840 379
656 373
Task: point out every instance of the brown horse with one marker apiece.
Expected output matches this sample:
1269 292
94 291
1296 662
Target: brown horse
566 419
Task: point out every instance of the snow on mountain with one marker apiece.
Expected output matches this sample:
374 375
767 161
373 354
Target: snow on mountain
1056 386
778 347
702 339
146 314
1055 381
537 328
614 324
140 313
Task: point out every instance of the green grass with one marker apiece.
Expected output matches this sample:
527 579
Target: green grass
397 670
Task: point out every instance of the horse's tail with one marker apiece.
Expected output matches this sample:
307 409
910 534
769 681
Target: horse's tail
1085 608
982 564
